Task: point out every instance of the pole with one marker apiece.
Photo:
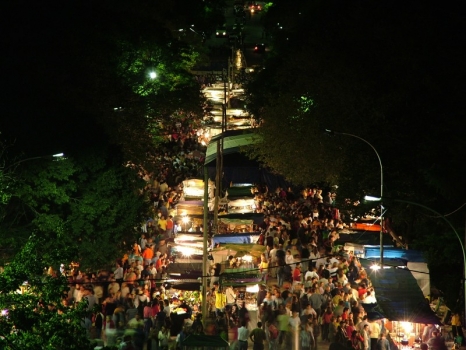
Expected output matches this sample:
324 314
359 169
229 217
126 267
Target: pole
381 186
204 248
457 236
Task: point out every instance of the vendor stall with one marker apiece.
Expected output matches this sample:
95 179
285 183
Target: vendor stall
238 238
184 208
236 192
242 205
230 225
193 188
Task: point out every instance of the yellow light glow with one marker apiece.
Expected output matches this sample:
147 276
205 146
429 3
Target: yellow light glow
247 258
252 289
407 327
186 251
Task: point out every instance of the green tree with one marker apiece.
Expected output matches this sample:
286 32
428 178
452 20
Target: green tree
89 204
393 77
34 314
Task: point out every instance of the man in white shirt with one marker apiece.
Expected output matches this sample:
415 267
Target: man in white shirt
230 295
360 325
312 273
118 273
273 261
374 333
366 338
294 321
243 335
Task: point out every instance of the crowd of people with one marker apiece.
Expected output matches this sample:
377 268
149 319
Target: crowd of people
318 293
312 290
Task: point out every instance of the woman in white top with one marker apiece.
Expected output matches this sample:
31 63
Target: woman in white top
289 260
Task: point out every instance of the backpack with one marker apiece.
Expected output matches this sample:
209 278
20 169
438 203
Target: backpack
273 330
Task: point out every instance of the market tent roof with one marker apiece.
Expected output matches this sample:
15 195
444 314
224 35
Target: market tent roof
256 218
239 192
399 297
233 140
237 166
201 340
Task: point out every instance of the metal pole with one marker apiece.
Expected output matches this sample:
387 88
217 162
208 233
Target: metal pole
381 187
228 79
205 232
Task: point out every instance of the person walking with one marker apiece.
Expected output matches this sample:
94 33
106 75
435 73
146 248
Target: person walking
383 343
457 329
243 334
257 337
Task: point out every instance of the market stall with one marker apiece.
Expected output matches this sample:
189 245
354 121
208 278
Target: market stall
193 188
237 238
231 225
242 205
184 208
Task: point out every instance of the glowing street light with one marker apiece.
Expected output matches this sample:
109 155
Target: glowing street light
57 155
152 75
185 220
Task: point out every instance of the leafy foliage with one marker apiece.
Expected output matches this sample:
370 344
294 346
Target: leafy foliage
391 77
84 203
36 318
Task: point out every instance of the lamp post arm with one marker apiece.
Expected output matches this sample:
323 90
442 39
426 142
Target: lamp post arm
444 219
457 236
15 164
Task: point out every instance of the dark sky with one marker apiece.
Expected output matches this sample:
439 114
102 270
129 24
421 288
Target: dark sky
40 110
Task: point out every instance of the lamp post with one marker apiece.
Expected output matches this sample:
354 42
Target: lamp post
371 198
381 184
58 155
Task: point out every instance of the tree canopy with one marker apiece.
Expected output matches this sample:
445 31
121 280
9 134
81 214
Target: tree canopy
89 205
388 72
33 314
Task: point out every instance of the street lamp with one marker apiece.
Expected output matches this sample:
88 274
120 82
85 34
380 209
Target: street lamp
152 75
372 198
57 155
332 132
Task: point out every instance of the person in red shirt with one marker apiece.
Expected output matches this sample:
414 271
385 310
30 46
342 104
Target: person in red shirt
148 255
362 290
297 273
160 263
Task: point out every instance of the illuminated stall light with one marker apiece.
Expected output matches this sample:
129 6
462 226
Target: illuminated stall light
252 289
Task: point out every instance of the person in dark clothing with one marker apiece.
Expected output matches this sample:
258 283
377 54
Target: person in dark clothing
338 346
258 337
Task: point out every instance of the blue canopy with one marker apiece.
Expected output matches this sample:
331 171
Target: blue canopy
399 297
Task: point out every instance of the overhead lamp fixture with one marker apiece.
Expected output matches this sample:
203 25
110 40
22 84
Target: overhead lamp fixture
372 198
